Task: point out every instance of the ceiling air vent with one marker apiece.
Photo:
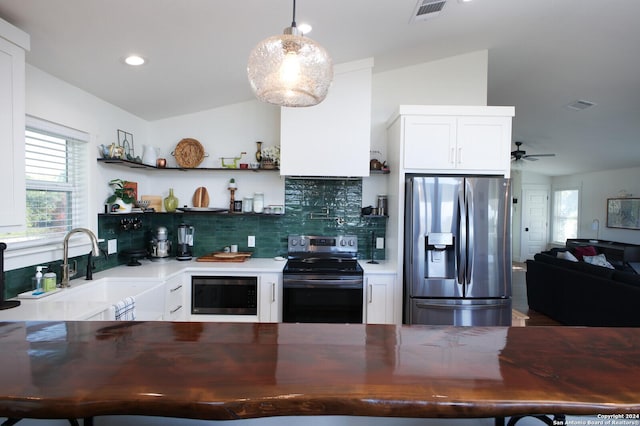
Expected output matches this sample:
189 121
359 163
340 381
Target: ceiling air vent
579 105
427 9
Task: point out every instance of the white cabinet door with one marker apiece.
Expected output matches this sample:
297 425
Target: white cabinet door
449 143
483 143
333 137
175 303
429 142
379 298
269 297
12 118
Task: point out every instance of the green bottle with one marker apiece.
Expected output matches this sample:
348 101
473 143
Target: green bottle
171 202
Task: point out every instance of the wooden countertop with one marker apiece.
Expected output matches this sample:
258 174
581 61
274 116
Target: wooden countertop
231 371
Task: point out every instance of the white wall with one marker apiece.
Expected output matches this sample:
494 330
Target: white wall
52 99
596 187
458 80
229 130
223 132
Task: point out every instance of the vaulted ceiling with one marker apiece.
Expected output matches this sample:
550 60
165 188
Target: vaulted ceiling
543 55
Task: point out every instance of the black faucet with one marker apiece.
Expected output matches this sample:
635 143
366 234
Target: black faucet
90 266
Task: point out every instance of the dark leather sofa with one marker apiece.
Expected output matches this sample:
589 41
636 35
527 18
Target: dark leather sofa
581 294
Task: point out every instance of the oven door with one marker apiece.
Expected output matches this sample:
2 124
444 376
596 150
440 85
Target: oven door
322 300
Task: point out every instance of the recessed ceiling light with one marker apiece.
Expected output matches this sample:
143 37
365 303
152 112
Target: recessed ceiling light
134 60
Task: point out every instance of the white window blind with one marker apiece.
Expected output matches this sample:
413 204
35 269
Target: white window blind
56 175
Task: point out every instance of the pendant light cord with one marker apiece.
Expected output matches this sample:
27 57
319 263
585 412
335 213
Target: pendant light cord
293 22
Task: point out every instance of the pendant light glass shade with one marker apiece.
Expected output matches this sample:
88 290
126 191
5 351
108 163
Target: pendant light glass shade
290 70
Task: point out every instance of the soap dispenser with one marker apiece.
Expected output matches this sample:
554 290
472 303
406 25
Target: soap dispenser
38 279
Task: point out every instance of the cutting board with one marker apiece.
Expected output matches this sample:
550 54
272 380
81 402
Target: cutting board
155 201
218 256
201 197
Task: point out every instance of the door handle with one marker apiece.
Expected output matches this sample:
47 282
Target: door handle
526 229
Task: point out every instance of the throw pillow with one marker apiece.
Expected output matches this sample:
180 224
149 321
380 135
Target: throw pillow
598 260
581 251
566 255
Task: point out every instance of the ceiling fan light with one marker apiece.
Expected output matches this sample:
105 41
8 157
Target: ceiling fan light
290 70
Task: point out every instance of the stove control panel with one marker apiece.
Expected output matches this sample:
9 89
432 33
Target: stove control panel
322 244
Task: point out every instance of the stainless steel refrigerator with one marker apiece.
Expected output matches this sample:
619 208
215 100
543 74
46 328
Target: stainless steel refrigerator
457 255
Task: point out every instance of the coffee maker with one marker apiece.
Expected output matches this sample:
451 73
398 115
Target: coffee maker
160 244
185 242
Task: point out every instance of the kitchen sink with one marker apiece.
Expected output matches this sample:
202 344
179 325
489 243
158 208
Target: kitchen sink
93 300
103 291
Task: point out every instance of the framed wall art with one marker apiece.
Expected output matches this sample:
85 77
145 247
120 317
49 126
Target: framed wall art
623 213
125 140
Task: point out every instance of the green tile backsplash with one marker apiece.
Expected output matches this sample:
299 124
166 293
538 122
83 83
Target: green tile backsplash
312 206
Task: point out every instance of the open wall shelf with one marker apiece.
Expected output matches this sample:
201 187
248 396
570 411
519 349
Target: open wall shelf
134 165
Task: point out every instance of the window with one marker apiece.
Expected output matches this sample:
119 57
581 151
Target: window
55 181
565 215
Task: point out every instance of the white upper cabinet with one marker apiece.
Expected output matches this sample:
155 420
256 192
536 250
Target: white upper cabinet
452 139
333 137
13 43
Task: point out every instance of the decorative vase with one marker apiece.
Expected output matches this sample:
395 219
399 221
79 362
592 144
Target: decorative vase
259 151
171 202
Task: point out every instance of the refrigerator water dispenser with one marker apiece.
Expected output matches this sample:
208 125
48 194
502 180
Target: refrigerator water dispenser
440 255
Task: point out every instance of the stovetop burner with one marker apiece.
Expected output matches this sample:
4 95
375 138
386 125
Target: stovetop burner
322 265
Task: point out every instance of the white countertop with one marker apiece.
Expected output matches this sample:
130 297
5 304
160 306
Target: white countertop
166 269
382 267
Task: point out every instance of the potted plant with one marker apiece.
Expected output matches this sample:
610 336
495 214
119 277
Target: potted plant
122 198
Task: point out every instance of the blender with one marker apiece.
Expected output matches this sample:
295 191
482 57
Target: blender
185 242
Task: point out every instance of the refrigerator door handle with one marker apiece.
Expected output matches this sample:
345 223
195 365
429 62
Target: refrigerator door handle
461 252
470 213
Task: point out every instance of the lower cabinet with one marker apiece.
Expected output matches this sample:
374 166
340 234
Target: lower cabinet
269 298
379 290
175 306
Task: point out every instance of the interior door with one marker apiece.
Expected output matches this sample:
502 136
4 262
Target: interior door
534 234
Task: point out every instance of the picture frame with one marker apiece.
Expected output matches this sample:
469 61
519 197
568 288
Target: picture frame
125 140
623 213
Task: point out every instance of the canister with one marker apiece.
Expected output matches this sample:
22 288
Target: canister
258 202
382 205
247 205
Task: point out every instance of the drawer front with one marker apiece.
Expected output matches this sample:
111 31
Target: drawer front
174 307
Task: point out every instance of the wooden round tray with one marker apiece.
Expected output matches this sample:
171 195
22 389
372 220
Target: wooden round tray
189 153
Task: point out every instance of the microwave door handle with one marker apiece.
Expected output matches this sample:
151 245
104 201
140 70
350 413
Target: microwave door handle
470 230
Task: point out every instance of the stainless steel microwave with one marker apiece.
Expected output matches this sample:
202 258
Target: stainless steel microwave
225 295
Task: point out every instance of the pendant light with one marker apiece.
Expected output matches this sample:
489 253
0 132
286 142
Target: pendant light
290 70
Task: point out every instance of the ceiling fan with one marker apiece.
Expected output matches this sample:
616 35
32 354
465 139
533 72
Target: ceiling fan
520 154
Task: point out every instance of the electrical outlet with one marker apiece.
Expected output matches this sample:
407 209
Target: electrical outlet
251 241
112 246
379 242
